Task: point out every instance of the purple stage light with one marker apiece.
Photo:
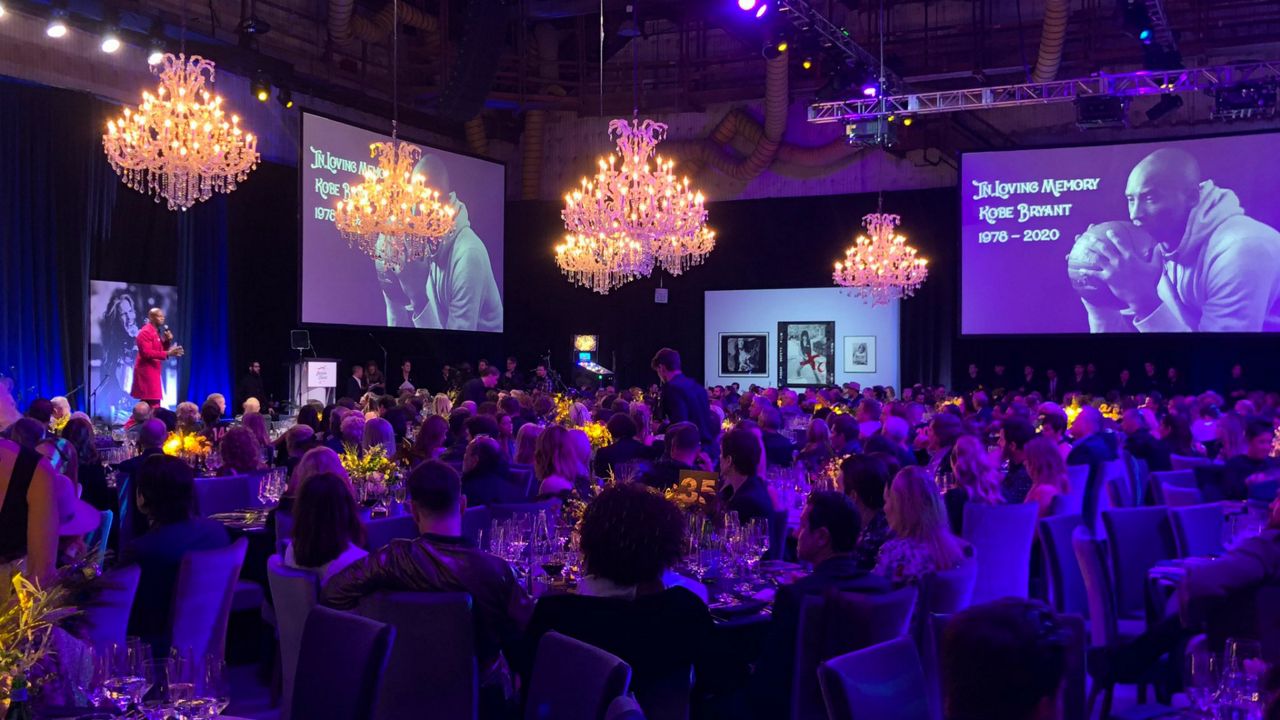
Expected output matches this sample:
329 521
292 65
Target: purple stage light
746 5
870 90
764 8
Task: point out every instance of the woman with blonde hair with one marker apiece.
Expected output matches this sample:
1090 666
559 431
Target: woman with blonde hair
527 443
923 542
976 480
378 432
440 405
642 416
1230 434
555 463
1049 483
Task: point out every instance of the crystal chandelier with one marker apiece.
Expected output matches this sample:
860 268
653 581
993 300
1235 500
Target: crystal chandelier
179 144
393 215
881 266
633 215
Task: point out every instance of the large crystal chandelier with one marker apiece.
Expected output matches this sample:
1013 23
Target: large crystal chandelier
881 266
393 215
633 215
179 144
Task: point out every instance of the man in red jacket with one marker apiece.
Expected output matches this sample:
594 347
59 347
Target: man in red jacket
153 350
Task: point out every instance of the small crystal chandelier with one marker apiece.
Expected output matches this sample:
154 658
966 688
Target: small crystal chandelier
881 266
393 215
179 144
633 215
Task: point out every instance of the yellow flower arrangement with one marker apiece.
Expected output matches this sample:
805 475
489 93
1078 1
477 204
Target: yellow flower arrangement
598 434
564 409
27 620
187 445
56 424
371 463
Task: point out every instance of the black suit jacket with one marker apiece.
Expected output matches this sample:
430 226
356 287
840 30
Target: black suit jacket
354 388
685 400
623 451
779 451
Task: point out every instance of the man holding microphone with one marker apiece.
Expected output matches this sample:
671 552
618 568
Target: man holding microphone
155 345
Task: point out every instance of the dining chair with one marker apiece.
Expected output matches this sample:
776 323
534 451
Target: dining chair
836 623
1175 496
1001 536
96 541
1138 538
517 472
1267 621
293 594
381 531
1197 529
1066 585
1072 502
1183 462
572 680
624 708
224 494
433 658
202 597
340 665
106 615
777 535
474 521
948 591
881 682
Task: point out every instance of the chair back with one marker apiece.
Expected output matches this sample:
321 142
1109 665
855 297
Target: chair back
1066 584
881 682
1091 552
777 534
572 680
1138 539
1175 496
97 540
1159 481
202 597
1115 478
1072 502
624 708
524 474
1268 622
433 658
1197 529
380 531
1001 536
340 665
836 623
474 521
1183 462
505 511
948 591
224 494
107 615
284 529
293 593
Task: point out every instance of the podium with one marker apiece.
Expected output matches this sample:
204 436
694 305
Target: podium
313 379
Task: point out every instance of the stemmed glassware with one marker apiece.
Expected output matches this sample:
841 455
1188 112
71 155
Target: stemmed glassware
1203 675
125 674
1239 695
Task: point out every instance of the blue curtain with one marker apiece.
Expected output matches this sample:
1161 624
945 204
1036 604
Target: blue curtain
202 297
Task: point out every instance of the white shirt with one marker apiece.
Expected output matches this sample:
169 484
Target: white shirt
348 556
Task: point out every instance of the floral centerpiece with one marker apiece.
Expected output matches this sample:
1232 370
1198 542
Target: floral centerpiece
370 470
598 434
27 622
192 448
564 409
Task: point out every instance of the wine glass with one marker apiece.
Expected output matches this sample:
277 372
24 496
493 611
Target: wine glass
158 704
213 461
1239 651
400 492
215 690
1202 679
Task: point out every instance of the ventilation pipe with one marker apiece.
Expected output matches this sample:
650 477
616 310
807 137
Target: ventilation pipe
1053 34
476 140
345 26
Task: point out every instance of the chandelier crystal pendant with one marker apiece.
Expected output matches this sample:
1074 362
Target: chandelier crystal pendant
179 144
393 216
881 266
633 215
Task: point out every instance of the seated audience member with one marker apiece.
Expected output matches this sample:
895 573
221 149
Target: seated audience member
555 463
379 433
188 417
240 452
1053 425
1048 473
1091 447
816 452
309 415
211 419
166 495
27 432
829 529
684 452
844 435
141 413
923 542
526 443
1255 468
333 437
29 515
892 440
1015 433
92 476
1230 440
251 405
429 444
327 530
779 451
256 423
1141 444
456 443
976 480
1019 642
944 430
167 416
60 410
624 449
868 415
506 435
1175 430
629 538
151 437
642 416
864 478
441 560
743 490
485 480
297 441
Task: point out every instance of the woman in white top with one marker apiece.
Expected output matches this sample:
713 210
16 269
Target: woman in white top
327 531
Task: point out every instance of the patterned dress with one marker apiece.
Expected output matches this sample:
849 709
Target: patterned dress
874 535
905 561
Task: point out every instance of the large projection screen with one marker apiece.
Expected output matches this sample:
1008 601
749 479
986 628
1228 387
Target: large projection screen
459 288
1152 237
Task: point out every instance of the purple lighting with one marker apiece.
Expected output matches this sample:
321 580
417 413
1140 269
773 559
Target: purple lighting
746 5
869 90
764 8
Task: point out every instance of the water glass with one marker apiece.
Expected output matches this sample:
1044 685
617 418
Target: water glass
1240 650
1202 679
215 688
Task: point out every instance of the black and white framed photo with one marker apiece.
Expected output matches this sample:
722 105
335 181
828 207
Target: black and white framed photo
860 353
806 354
744 354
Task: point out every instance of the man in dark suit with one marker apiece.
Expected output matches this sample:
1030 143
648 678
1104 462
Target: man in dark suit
684 400
1078 383
512 378
828 533
151 437
779 451
625 448
477 389
355 386
1150 380
998 379
844 435
1029 381
1091 447
1052 385
1126 386
684 445
485 480
973 381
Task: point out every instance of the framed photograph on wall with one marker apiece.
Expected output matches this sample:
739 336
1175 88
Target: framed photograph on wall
860 353
806 354
744 354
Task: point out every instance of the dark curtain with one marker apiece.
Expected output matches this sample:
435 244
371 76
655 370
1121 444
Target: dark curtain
202 297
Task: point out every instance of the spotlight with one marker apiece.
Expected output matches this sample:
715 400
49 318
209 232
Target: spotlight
253 25
870 89
285 97
1 10
1145 36
1167 104
775 46
155 55
760 11
1102 111
261 86
807 63
746 5
110 41
906 122
57 26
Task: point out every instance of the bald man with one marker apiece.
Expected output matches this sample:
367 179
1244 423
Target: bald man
1213 269
454 288
154 347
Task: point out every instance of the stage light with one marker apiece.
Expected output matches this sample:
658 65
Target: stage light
1 10
110 41
261 86
1145 36
782 46
285 97
760 11
155 55
1102 111
870 89
906 122
1244 101
57 26
807 63
1167 104
746 5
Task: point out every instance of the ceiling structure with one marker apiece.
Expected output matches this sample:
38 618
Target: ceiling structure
500 58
